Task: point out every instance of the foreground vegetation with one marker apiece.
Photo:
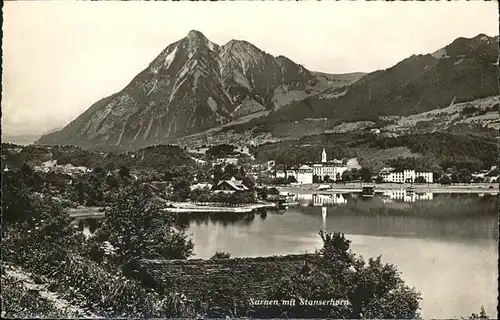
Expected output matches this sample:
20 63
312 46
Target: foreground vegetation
89 274
77 276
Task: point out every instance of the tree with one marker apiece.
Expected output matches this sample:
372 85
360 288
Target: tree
249 183
182 189
437 172
365 174
218 173
124 172
230 170
420 179
137 229
221 150
316 178
220 255
241 173
464 176
16 200
112 182
292 179
373 289
262 193
326 178
346 176
445 180
273 191
99 172
201 195
279 181
379 180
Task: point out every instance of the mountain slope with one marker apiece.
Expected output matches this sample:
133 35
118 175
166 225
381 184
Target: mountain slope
465 70
192 86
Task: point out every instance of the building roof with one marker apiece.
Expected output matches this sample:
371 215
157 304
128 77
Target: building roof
305 167
236 185
201 186
237 279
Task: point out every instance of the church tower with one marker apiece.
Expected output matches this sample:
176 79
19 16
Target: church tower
323 156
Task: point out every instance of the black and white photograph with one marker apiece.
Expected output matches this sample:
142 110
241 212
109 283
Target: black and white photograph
250 160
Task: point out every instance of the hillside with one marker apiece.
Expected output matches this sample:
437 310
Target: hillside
465 70
418 89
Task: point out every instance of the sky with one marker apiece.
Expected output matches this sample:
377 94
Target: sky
59 57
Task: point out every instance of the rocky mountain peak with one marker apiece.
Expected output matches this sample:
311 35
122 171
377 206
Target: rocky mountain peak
195 34
191 86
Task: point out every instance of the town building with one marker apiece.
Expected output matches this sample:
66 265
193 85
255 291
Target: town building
291 173
332 170
225 161
280 174
406 176
305 175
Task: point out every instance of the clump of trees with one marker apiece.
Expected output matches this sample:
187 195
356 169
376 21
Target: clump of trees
150 233
221 151
204 195
371 288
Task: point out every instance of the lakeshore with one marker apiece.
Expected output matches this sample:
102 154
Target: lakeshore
177 207
194 208
358 186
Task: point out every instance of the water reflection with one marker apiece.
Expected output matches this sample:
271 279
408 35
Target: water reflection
444 244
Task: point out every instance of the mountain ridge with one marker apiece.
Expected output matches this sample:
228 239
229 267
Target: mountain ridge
195 86
191 86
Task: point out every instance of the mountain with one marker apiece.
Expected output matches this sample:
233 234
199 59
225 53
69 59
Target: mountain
191 86
465 70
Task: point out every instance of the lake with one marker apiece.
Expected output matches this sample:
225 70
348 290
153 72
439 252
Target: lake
445 245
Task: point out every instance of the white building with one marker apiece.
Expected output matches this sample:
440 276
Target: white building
334 172
388 175
225 161
305 175
333 169
291 173
280 174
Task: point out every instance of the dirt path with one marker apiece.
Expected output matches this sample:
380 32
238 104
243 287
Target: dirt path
61 304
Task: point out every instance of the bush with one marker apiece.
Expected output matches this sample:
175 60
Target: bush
420 179
220 255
